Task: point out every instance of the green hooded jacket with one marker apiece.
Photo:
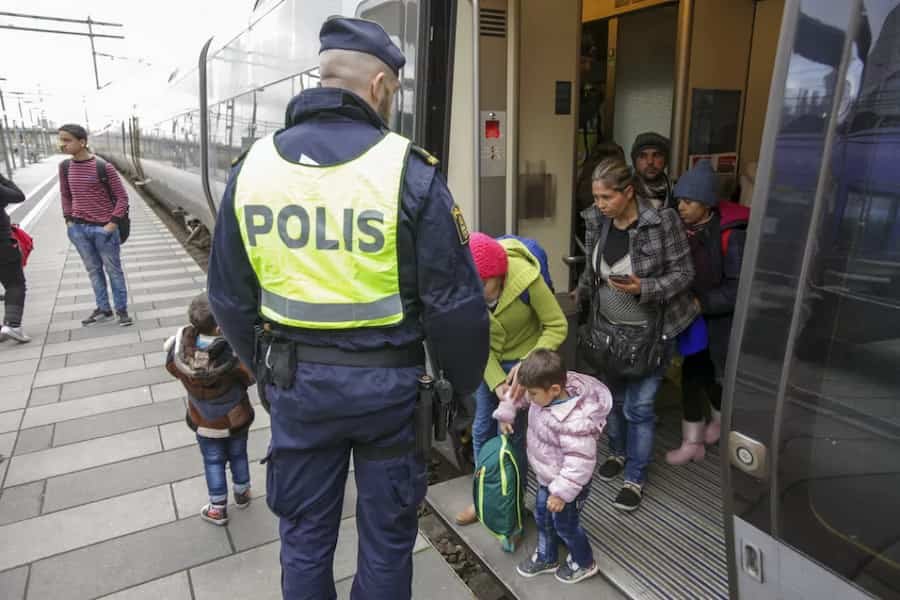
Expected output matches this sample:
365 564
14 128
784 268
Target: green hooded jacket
518 328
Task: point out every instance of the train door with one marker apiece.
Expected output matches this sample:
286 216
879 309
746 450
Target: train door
812 386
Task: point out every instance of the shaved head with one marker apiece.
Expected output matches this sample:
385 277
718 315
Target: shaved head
363 74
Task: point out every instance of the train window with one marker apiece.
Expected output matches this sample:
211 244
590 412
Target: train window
838 478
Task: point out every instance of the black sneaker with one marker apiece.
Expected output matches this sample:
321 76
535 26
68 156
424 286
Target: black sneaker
532 567
242 500
629 497
611 468
98 316
572 572
124 319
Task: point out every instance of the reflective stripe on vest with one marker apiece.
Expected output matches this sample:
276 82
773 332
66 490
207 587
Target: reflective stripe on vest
323 240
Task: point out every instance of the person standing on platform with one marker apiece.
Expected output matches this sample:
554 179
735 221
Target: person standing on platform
337 250
12 276
93 219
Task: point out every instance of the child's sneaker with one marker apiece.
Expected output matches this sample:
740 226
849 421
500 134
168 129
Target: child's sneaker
532 566
571 572
217 514
242 500
629 498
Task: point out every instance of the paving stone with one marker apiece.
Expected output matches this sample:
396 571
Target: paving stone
7 443
154 359
45 395
66 530
167 391
52 362
9 420
159 333
17 382
132 349
84 455
10 354
104 330
86 406
21 367
120 339
173 587
134 474
139 417
55 337
12 584
100 385
117 564
21 502
34 439
178 309
174 322
13 398
107 368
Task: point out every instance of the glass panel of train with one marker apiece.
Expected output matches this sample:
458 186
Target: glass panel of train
813 378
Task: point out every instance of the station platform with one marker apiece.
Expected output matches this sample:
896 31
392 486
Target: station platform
101 481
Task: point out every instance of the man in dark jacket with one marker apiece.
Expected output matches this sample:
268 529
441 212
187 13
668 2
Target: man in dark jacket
11 274
715 287
341 351
650 159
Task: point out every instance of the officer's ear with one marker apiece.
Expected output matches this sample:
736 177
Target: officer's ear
378 87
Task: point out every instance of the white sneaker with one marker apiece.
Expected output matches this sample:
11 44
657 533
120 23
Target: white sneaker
15 333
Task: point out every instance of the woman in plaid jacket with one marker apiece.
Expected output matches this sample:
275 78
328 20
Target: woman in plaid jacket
644 267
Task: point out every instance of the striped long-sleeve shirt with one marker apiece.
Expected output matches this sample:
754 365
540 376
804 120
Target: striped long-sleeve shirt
85 197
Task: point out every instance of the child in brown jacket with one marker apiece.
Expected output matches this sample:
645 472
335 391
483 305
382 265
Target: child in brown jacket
218 410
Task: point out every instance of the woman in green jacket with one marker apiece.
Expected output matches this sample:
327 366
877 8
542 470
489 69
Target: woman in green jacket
524 316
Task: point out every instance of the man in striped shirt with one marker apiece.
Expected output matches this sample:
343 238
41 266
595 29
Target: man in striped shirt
92 222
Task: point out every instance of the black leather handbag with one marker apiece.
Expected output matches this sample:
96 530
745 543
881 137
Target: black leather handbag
620 350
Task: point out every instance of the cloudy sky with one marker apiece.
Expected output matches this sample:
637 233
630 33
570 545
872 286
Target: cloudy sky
162 33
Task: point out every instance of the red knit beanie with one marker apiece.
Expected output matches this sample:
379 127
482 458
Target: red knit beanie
490 256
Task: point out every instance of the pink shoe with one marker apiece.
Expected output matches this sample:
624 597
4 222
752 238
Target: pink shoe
713 428
692 448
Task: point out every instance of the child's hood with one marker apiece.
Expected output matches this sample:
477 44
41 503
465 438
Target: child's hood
523 270
210 362
594 400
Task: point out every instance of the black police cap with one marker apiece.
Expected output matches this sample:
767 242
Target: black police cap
361 35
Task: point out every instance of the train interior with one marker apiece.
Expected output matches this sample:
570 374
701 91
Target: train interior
547 111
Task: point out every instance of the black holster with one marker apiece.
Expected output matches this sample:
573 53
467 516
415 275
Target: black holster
275 363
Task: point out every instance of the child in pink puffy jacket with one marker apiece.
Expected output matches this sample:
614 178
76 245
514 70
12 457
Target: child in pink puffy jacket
567 414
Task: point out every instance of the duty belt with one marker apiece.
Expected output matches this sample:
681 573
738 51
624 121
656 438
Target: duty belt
412 355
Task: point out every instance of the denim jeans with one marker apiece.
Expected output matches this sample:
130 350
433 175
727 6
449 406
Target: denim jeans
631 422
99 250
564 525
485 427
218 451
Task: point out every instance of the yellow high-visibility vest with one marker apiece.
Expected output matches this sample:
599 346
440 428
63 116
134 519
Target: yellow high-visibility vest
323 239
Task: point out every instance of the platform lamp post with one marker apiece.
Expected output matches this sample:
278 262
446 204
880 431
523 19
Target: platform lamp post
5 142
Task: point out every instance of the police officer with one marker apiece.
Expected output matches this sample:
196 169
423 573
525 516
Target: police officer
337 249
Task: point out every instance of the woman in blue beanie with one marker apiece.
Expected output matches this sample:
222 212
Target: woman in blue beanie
715 286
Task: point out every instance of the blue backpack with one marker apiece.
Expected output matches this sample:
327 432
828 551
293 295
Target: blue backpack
540 254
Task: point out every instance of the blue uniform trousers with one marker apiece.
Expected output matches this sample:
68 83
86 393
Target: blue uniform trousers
307 472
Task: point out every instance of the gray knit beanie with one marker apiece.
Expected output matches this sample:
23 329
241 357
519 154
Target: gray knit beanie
700 184
649 139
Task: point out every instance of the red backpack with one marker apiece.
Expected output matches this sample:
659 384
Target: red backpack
732 216
23 240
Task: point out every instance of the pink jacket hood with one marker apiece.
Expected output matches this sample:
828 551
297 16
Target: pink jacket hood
562 438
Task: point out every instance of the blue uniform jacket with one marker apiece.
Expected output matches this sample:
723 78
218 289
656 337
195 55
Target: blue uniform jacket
441 291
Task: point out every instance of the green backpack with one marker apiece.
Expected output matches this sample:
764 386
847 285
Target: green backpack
497 490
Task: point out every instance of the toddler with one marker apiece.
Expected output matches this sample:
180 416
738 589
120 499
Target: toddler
219 409
567 414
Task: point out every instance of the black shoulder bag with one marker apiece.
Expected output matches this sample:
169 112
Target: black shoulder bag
620 350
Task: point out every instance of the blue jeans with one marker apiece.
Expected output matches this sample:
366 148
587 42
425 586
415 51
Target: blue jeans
218 451
99 251
485 427
564 525
631 422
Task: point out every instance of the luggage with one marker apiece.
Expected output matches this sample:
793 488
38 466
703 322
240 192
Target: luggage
497 490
